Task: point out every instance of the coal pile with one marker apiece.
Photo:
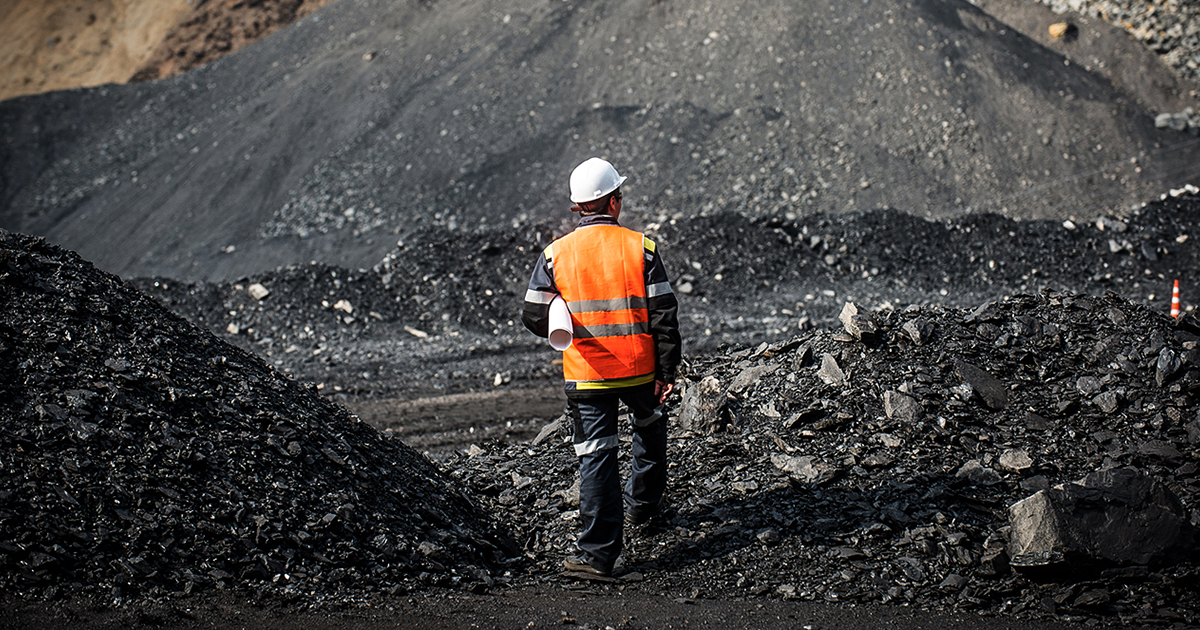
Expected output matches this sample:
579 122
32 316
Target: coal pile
877 461
143 456
442 304
467 115
435 315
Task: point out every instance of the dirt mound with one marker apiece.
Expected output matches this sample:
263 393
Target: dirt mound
217 28
368 120
141 455
64 44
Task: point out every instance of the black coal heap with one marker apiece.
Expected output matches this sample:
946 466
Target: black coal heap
142 455
876 462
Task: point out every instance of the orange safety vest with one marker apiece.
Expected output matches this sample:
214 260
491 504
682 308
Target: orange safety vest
600 273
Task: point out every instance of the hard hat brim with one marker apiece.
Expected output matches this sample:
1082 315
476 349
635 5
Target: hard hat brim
597 194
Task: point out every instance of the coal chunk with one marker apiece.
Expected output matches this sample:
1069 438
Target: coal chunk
1116 516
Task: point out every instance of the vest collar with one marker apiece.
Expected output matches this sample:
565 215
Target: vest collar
596 219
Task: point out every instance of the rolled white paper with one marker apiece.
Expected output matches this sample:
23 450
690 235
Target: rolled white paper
561 329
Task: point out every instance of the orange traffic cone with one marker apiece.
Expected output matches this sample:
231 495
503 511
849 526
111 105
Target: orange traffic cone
1175 301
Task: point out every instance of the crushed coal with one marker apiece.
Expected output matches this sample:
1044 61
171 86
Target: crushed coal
892 482
142 456
821 452
879 370
437 315
865 453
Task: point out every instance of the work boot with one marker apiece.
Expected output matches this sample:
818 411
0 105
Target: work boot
642 519
579 564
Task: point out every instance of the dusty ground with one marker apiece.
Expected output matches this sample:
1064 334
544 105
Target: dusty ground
440 423
547 606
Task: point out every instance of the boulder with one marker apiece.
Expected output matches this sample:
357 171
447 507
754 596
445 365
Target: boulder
258 291
704 409
859 325
1016 460
918 330
1117 516
975 473
805 468
749 376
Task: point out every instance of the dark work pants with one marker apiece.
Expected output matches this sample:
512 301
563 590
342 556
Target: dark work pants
596 442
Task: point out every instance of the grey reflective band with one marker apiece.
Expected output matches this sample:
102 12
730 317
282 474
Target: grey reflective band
649 420
612 330
597 445
607 306
539 297
658 288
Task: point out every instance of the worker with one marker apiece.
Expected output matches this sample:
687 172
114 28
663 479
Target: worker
626 349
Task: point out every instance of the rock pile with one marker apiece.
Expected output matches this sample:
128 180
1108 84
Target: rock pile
1187 120
443 304
847 466
142 455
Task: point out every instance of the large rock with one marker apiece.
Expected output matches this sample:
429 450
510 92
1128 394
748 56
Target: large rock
830 371
993 393
805 468
749 376
1111 517
859 325
703 408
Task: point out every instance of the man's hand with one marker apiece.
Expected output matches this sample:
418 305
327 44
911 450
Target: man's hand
662 389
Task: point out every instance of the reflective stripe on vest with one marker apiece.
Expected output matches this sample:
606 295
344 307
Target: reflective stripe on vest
600 272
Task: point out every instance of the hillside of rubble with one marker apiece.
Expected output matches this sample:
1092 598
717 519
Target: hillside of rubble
871 457
144 456
461 115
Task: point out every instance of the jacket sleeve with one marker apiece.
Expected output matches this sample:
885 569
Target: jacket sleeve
664 315
542 290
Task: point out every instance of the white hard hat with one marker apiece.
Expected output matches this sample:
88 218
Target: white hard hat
593 179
